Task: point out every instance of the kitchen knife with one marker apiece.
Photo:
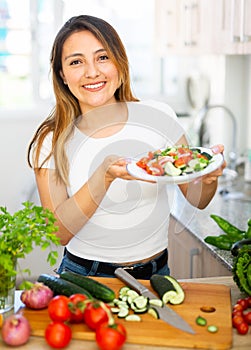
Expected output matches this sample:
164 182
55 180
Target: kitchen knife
165 313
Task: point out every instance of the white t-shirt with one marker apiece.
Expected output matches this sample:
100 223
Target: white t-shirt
132 220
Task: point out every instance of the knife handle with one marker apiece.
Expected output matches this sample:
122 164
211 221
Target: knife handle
124 276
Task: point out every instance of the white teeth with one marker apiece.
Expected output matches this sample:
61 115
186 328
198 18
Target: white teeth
94 86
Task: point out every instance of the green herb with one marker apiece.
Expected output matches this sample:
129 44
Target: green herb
20 232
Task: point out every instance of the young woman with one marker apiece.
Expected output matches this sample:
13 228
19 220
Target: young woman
106 217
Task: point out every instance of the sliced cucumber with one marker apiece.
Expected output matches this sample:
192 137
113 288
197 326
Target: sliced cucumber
132 293
141 311
124 311
140 302
171 170
156 302
135 318
123 290
153 312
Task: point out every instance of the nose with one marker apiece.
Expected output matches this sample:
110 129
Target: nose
91 70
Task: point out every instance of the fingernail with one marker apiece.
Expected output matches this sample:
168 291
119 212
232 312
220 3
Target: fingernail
215 149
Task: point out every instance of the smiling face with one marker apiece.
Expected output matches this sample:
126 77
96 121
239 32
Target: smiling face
88 71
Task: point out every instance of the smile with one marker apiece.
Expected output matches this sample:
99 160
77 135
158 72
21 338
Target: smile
94 86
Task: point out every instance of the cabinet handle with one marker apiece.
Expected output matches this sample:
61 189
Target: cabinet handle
243 36
193 252
189 11
234 38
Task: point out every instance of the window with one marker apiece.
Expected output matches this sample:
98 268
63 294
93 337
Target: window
27 31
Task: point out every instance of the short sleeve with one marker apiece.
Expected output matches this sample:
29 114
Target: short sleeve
44 152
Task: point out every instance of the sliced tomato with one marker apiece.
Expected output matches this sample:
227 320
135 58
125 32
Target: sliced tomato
156 169
142 163
179 163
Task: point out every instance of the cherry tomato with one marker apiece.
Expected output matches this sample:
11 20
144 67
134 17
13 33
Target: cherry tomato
95 313
58 335
248 299
110 337
243 303
237 320
247 317
237 307
237 313
58 309
242 328
77 305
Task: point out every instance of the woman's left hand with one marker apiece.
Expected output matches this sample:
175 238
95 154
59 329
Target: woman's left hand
213 176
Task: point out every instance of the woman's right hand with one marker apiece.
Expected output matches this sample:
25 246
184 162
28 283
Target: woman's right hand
115 167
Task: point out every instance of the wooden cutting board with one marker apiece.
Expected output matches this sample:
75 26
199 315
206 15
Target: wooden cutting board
156 332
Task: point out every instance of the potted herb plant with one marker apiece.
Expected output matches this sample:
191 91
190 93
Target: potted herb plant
19 233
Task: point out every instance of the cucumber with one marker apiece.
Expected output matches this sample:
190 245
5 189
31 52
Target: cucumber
60 286
171 170
168 289
98 290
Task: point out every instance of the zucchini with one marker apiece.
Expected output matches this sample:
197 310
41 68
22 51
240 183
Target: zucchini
60 286
153 312
98 290
168 289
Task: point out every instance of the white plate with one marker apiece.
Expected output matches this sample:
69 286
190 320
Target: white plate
215 163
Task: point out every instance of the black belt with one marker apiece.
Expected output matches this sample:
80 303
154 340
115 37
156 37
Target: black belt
141 272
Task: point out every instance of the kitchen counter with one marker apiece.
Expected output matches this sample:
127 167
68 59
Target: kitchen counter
234 207
240 342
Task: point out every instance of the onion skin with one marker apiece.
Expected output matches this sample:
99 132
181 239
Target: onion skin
38 297
16 330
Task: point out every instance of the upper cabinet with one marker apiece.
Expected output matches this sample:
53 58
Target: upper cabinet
181 26
203 26
232 31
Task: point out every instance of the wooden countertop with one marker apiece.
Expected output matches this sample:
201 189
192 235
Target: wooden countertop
240 342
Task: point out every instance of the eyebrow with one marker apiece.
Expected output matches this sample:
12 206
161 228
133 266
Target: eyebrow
82 55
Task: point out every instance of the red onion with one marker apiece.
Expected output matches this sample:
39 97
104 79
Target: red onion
16 330
37 297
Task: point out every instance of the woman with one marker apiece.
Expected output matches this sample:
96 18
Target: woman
106 217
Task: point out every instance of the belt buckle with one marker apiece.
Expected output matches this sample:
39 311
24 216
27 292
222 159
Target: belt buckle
128 268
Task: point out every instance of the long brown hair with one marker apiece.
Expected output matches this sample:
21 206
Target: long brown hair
67 107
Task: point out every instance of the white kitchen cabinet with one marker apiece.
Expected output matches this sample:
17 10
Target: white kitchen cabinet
232 30
182 26
187 258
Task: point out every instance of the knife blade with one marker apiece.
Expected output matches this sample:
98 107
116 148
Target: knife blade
165 313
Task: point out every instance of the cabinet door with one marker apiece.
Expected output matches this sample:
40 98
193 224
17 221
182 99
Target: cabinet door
187 256
232 30
167 26
182 26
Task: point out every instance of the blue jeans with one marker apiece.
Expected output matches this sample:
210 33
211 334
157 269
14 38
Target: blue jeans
69 265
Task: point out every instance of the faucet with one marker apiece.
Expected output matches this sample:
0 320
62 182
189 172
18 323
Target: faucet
202 131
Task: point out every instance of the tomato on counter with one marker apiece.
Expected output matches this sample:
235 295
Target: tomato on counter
58 335
110 337
58 309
